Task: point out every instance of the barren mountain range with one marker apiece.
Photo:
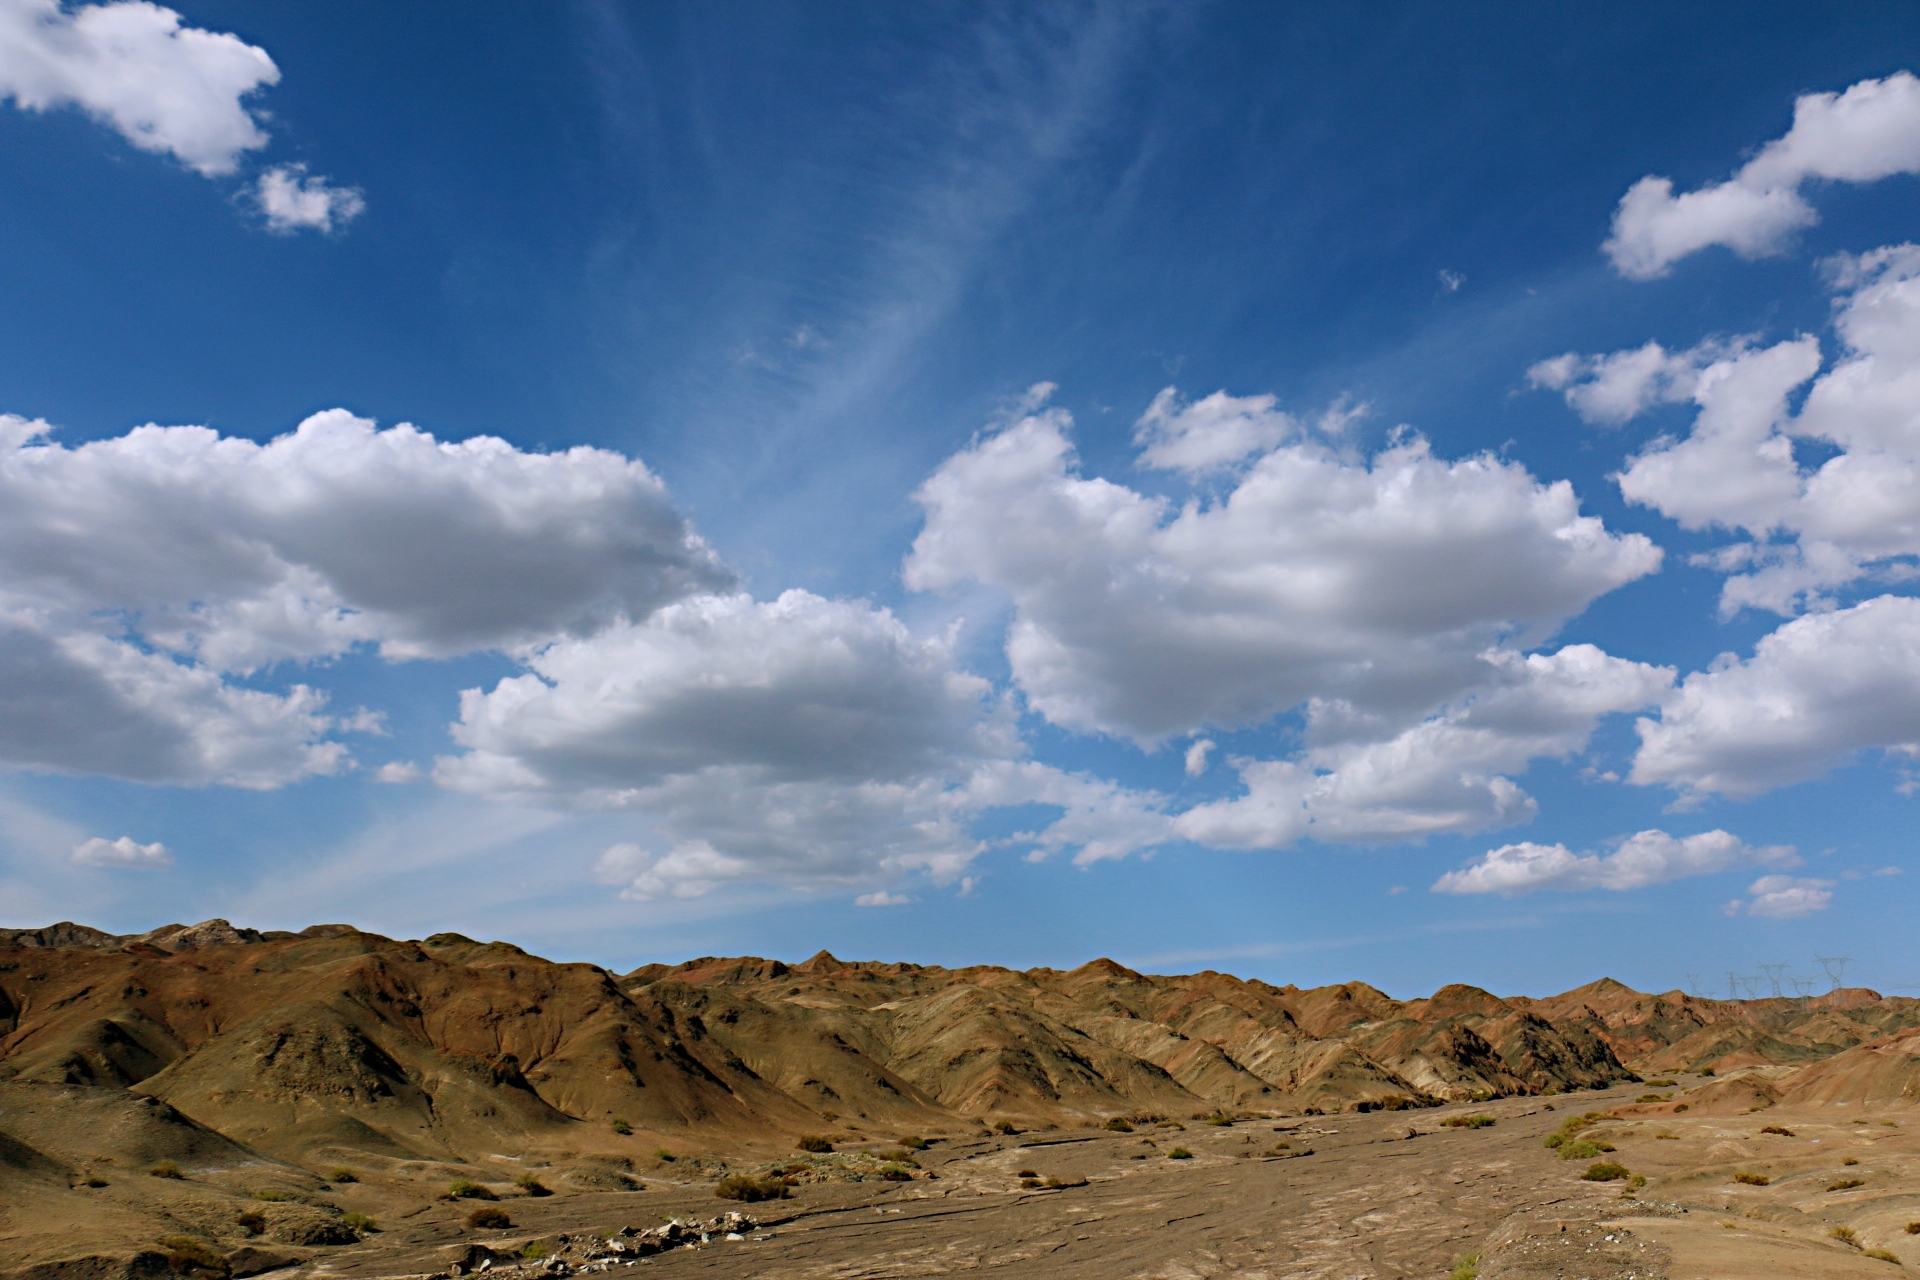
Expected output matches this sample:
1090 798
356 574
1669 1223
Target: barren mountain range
335 1037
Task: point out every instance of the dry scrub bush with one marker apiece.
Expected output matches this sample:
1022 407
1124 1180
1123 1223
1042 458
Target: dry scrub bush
1849 1161
620 1125
813 1142
914 1143
1468 1122
166 1169
1884 1255
741 1186
1179 1153
251 1222
1661 1084
1843 1234
468 1189
488 1218
1467 1268
1752 1179
359 1221
1604 1171
192 1257
1847 1184
1913 1228
664 1154
531 1184
1119 1125
1774 1128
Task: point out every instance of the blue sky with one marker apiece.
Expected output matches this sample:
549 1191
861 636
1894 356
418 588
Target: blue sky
824 528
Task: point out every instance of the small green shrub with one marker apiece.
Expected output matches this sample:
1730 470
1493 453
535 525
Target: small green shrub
1752 1179
666 1155
1179 1153
166 1169
1604 1171
252 1222
1583 1149
488 1218
1847 1184
530 1183
359 1221
1884 1255
1467 1268
1219 1119
1118 1125
1637 1181
534 1251
1843 1234
1468 1122
468 1189
1651 1097
1056 1184
914 1143
1706 1071
743 1186
621 1125
270 1196
813 1142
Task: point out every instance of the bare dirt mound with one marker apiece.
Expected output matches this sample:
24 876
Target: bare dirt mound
1879 1073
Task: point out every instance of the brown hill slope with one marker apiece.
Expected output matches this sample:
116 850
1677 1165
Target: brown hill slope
1676 1032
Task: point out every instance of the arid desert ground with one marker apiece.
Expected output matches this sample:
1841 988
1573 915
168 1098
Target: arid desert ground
216 1102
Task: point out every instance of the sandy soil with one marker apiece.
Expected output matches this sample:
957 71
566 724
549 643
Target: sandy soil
1381 1195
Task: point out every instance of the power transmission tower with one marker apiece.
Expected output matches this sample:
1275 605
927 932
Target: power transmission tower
1751 984
1773 972
1836 968
1733 985
1804 986
1693 984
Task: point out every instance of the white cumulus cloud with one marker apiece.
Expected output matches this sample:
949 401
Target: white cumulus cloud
124 852
881 898
1204 435
165 87
1377 581
803 741
1784 897
1807 529
1869 132
1815 692
138 573
291 200
1447 773
1642 859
